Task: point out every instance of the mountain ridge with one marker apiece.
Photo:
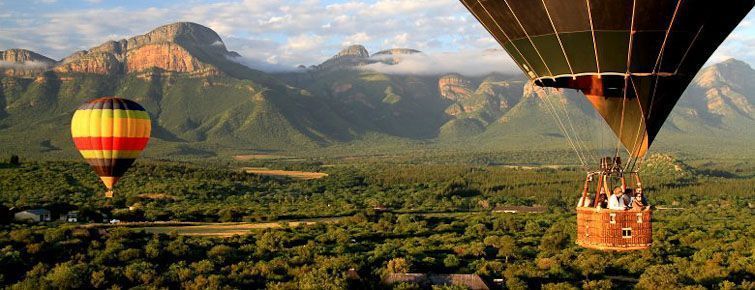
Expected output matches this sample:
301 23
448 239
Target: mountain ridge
204 102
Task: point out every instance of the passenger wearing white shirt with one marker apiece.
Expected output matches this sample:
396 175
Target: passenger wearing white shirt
617 201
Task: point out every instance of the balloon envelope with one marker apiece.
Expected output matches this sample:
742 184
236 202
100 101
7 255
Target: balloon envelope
631 58
110 133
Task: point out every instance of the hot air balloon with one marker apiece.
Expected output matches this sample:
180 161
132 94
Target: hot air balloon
110 133
632 59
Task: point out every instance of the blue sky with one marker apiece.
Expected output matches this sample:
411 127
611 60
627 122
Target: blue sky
281 33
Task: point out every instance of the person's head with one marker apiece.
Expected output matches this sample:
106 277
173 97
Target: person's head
629 192
618 191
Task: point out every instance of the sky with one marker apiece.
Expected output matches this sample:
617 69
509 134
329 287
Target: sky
280 34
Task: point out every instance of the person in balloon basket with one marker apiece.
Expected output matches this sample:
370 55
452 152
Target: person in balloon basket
585 201
617 200
639 202
602 199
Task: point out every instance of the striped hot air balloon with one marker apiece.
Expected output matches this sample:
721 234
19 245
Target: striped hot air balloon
110 133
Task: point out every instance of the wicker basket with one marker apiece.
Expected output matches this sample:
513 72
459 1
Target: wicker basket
619 230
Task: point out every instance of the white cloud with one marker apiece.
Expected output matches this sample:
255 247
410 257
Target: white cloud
294 31
288 32
472 63
304 42
356 38
24 65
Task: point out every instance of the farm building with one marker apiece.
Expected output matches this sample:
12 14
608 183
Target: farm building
33 215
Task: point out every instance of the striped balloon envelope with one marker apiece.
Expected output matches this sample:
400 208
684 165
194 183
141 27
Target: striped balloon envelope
110 133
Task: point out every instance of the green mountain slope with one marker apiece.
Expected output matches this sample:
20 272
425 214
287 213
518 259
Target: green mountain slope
204 103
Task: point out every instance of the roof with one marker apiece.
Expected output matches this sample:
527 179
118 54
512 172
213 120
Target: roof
394 278
533 209
37 211
470 281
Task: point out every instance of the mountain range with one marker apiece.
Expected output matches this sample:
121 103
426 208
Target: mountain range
204 102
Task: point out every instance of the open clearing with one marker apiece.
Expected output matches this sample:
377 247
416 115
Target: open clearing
229 229
247 157
302 175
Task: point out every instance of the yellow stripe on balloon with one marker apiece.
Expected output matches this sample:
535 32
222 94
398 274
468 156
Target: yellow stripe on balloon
109 181
96 126
118 113
110 154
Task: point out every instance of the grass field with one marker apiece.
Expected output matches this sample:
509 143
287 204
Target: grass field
230 229
301 175
247 157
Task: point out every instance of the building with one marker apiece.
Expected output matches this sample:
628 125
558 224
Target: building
520 209
71 216
469 281
33 215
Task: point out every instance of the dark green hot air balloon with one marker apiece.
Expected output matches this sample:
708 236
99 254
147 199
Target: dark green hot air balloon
631 58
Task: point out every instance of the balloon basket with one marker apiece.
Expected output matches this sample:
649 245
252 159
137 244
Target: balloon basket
601 228
614 230
109 194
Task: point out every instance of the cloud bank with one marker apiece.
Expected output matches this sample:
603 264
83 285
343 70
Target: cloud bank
282 33
471 63
24 65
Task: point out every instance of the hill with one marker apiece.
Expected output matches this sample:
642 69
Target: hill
204 103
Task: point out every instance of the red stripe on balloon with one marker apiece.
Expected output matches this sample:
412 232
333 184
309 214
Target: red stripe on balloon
110 143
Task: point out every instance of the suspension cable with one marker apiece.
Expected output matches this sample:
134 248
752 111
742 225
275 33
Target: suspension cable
659 59
528 38
626 78
564 131
580 142
642 127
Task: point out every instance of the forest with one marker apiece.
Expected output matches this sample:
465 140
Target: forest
433 218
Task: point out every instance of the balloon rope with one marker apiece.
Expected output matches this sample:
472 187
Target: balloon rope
558 38
659 60
581 143
528 37
594 44
688 49
502 43
555 115
626 78
642 127
531 68
665 38
551 109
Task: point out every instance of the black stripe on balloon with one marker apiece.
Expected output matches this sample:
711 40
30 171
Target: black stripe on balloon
112 103
110 167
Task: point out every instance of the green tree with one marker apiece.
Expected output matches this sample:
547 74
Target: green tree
67 275
398 265
591 263
660 277
451 261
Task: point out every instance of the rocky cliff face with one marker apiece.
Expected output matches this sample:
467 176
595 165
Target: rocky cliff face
487 103
182 47
454 87
349 57
23 63
724 89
